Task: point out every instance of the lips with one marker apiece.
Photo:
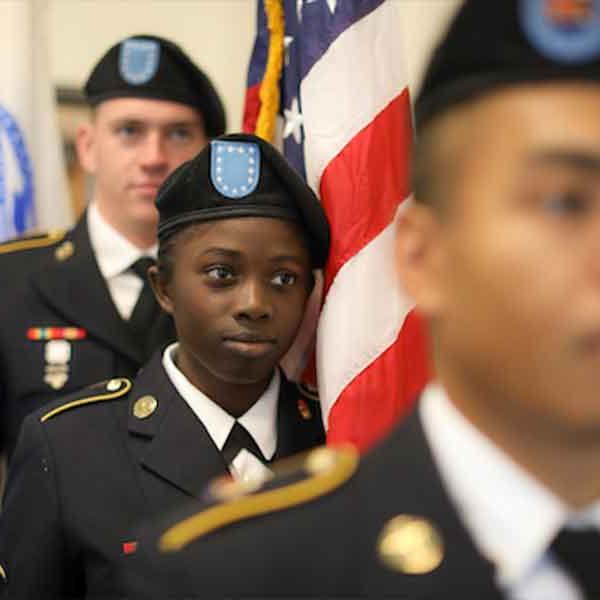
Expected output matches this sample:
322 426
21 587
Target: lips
249 344
147 188
250 338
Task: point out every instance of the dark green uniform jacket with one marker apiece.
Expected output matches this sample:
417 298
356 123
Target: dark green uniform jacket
387 530
55 282
84 475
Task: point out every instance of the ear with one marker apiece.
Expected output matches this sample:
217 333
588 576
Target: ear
161 289
419 257
84 143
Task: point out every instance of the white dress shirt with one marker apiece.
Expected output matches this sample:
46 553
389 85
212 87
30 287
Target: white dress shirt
260 420
115 255
511 516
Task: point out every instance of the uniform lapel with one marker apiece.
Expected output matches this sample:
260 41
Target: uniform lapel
160 333
419 491
295 433
73 285
173 444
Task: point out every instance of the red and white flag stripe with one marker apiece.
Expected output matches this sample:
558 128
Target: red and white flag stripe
371 354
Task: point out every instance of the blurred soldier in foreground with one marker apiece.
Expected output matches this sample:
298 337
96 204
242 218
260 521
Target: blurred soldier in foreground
492 488
77 308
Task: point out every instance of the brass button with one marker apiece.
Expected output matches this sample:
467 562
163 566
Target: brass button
320 460
113 385
64 251
411 545
144 407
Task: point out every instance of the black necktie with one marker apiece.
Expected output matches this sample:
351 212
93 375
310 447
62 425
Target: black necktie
578 551
240 439
146 307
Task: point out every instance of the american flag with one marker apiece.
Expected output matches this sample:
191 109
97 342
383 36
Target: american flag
333 69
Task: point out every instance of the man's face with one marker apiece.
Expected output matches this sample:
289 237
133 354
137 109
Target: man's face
130 147
237 295
512 287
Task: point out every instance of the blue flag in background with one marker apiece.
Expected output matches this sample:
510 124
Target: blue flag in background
17 211
33 191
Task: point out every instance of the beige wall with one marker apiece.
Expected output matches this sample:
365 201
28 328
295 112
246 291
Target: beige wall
217 33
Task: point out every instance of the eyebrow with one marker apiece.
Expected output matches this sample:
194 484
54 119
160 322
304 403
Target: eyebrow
222 251
182 124
136 120
236 254
577 159
288 258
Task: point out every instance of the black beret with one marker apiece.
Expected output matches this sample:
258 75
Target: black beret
492 43
241 175
147 66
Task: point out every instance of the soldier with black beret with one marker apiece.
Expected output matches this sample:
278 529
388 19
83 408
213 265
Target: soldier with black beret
78 309
491 489
240 235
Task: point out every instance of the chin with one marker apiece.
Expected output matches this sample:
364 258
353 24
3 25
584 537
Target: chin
148 216
245 376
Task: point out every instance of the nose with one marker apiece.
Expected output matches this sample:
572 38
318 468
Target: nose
153 155
253 302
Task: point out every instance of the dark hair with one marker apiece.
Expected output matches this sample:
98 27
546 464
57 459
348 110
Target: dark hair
421 171
436 163
165 261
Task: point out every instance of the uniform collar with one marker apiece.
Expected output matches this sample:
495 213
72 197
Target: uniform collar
114 253
511 516
260 420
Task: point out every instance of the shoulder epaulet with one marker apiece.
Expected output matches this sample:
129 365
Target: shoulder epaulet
33 241
109 390
294 481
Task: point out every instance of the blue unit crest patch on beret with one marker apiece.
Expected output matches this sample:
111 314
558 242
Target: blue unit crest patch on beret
566 31
138 60
234 167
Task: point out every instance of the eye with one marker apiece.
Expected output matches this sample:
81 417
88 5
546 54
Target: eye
180 134
128 130
570 203
284 278
220 273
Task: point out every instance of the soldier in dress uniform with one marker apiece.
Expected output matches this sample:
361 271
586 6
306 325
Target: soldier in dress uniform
77 309
491 489
240 235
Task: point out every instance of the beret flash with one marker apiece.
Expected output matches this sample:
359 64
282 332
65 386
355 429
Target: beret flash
508 42
241 175
147 66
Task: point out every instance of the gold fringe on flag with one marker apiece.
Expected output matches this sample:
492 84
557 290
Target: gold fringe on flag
269 88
